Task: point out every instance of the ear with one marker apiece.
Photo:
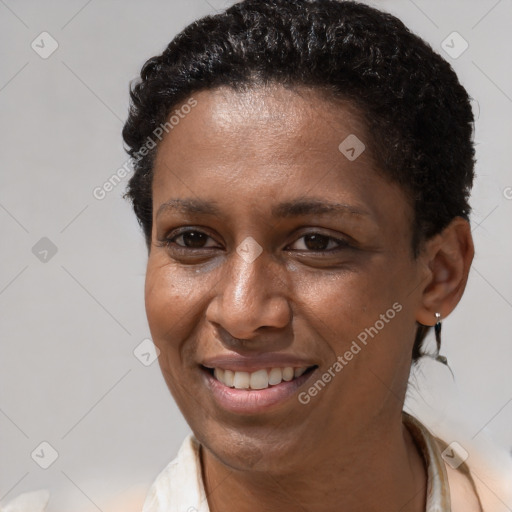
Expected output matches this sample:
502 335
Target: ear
446 258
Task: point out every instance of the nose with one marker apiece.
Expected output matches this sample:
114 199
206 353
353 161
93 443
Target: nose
252 296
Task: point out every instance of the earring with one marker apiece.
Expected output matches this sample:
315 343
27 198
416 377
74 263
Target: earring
437 330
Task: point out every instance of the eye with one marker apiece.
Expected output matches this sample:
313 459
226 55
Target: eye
317 242
190 239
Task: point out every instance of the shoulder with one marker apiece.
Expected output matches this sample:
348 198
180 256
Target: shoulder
475 484
463 493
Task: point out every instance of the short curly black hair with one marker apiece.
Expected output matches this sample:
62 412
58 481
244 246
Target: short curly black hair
418 115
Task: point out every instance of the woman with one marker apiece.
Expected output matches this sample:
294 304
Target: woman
302 174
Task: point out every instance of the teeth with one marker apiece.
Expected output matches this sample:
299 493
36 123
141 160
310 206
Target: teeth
260 379
299 371
219 374
288 374
229 378
275 377
242 380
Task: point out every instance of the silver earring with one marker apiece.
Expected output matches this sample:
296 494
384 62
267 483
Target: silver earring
437 330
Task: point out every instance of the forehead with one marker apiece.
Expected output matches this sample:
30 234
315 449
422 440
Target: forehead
273 106
270 128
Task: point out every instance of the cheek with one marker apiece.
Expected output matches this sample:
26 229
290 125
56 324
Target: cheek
170 314
364 312
169 304
346 301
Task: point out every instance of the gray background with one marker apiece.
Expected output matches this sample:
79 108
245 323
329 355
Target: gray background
70 324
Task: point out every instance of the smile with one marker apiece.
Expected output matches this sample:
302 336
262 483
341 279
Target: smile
257 391
260 379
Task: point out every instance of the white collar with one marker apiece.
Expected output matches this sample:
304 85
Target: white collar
179 487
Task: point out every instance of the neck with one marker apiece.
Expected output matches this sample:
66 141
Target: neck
379 472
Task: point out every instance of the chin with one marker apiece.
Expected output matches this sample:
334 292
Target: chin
247 449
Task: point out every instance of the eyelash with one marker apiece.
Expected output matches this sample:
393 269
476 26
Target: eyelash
170 241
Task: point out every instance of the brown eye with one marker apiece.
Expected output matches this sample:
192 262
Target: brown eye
316 242
187 239
193 239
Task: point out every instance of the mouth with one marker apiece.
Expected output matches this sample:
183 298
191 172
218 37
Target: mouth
257 391
259 379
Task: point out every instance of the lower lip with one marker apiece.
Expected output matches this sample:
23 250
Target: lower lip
250 401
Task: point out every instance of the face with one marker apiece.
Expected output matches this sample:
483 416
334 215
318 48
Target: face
281 286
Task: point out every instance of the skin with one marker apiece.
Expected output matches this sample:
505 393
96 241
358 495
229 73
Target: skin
347 449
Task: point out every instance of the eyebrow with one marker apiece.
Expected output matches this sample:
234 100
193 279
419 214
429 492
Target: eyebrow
296 208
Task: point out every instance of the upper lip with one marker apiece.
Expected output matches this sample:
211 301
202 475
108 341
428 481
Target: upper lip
237 362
